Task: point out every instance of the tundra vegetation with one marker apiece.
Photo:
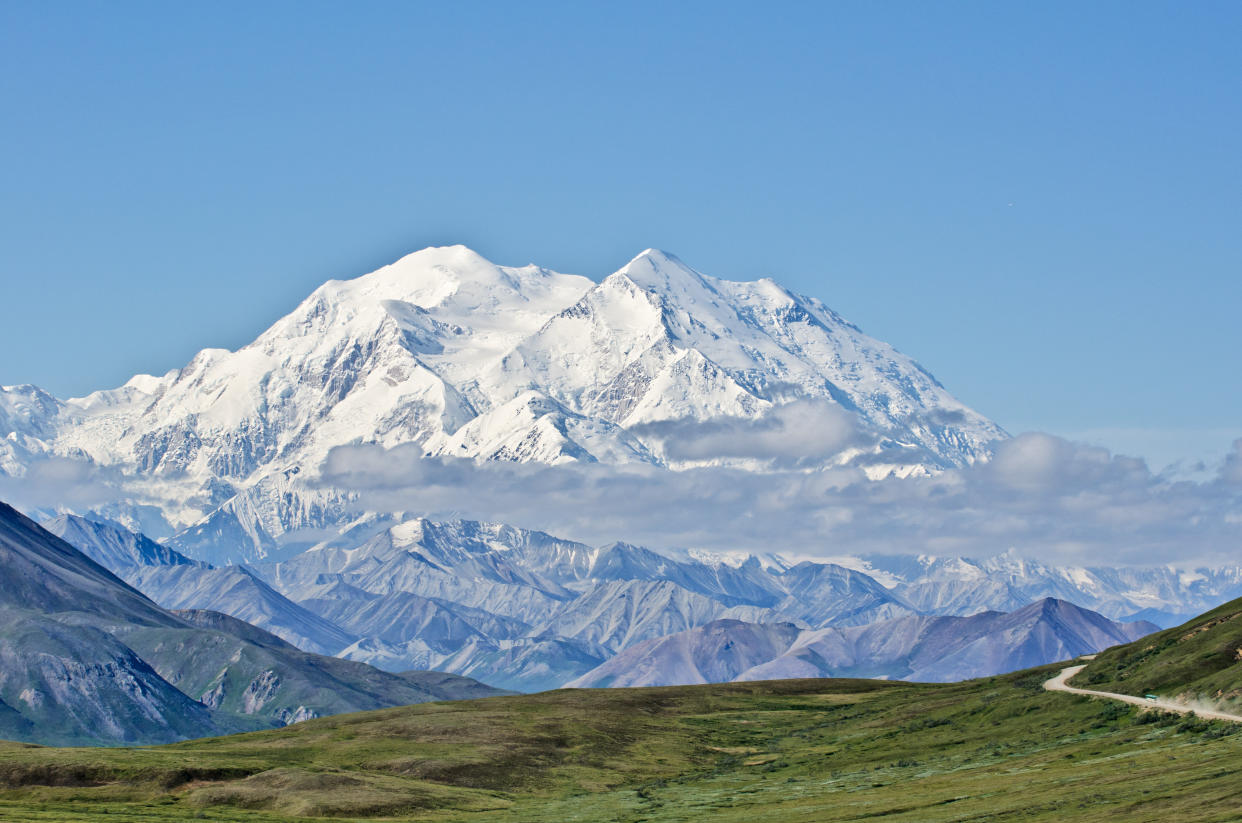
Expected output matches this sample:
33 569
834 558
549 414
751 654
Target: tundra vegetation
1000 748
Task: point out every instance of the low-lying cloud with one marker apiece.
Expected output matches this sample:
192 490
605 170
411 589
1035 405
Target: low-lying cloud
62 482
791 435
1041 495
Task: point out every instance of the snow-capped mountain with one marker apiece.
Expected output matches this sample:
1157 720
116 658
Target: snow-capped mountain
446 355
461 357
962 586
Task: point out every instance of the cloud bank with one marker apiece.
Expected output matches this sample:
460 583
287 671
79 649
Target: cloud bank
1042 495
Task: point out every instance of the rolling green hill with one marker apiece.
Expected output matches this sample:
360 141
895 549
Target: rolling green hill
815 750
1199 660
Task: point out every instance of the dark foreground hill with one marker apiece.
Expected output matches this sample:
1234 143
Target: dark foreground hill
85 658
996 749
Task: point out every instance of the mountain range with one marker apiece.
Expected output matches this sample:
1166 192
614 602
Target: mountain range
1165 595
922 648
220 503
87 659
526 611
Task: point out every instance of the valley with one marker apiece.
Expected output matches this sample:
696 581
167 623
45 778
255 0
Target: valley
838 750
1002 748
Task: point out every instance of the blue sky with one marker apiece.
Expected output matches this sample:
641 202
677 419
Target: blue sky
1040 202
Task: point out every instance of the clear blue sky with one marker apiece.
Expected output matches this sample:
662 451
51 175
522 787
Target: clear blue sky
1040 202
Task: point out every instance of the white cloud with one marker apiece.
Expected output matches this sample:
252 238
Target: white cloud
1042 495
51 482
798 433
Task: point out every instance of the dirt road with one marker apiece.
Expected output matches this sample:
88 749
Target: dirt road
1058 684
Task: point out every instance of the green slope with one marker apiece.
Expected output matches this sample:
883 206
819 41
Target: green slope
814 750
1199 660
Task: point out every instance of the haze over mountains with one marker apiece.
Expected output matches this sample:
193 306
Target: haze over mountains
242 484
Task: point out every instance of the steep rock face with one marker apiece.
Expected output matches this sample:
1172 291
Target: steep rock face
448 352
176 582
399 617
29 419
944 649
714 653
746 584
40 572
65 676
529 664
822 594
411 557
411 590
243 672
467 596
238 592
620 613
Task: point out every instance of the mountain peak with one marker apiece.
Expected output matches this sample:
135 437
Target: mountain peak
660 271
448 351
456 256
657 255
430 276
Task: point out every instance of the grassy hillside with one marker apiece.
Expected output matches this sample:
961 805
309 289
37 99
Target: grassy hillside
1199 660
814 750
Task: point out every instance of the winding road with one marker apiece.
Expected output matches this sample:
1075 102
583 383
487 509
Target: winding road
1059 684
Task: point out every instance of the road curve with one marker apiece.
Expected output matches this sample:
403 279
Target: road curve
1059 684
